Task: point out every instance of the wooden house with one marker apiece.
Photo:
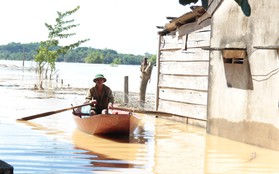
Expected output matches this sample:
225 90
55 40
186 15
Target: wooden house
225 70
183 67
243 95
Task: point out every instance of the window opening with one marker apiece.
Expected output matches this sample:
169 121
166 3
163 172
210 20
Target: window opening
234 56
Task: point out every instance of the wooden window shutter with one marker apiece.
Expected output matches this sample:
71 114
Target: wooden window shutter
234 56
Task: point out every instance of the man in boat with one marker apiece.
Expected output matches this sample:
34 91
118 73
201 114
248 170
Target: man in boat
100 96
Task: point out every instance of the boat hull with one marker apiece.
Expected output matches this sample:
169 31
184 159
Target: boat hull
123 124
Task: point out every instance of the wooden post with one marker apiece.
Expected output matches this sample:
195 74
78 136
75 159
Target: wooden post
23 57
158 74
146 70
126 90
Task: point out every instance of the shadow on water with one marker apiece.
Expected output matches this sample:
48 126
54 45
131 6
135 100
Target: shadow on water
111 147
38 127
101 161
133 138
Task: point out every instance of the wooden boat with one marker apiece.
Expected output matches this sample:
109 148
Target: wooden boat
123 123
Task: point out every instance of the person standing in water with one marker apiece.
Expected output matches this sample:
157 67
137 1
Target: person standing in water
100 96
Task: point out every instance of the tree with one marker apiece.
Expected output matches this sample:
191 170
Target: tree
116 61
95 57
146 71
49 50
152 59
18 51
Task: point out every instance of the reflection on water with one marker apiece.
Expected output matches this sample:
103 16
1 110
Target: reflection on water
111 151
30 151
53 144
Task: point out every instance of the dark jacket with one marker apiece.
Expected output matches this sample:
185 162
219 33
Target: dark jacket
102 99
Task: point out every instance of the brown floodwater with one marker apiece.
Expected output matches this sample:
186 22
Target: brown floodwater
53 144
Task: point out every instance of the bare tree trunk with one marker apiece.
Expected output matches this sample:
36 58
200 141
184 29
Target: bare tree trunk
146 70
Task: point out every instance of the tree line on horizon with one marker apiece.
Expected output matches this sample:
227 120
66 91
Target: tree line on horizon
19 51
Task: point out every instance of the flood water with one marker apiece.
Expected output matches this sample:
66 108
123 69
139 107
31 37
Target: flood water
53 144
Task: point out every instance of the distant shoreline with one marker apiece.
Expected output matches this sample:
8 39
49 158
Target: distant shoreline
56 87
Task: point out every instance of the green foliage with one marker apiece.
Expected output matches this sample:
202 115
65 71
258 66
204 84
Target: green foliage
152 59
95 57
245 6
117 61
75 55
18 51
50 50
186 2
109 56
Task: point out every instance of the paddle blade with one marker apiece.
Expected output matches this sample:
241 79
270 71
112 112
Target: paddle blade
38 116
50 113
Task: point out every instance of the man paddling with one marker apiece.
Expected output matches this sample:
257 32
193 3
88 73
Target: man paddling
100 96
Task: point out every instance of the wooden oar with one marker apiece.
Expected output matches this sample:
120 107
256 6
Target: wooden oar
50 113
158 113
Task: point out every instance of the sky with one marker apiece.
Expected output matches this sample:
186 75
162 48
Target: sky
126 26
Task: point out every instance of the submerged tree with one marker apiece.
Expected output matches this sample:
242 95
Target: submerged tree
146 71
49 50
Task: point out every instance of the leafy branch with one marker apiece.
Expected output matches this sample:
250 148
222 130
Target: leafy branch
49 50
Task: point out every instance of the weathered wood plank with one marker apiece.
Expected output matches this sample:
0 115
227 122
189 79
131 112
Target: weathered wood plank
183 72
199 35
189 110
184 68
186 55
213 6
197 38
197 44
172 42
190 28
183 95
183 82
170 49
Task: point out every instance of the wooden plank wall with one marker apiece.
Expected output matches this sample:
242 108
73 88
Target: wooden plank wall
183 73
